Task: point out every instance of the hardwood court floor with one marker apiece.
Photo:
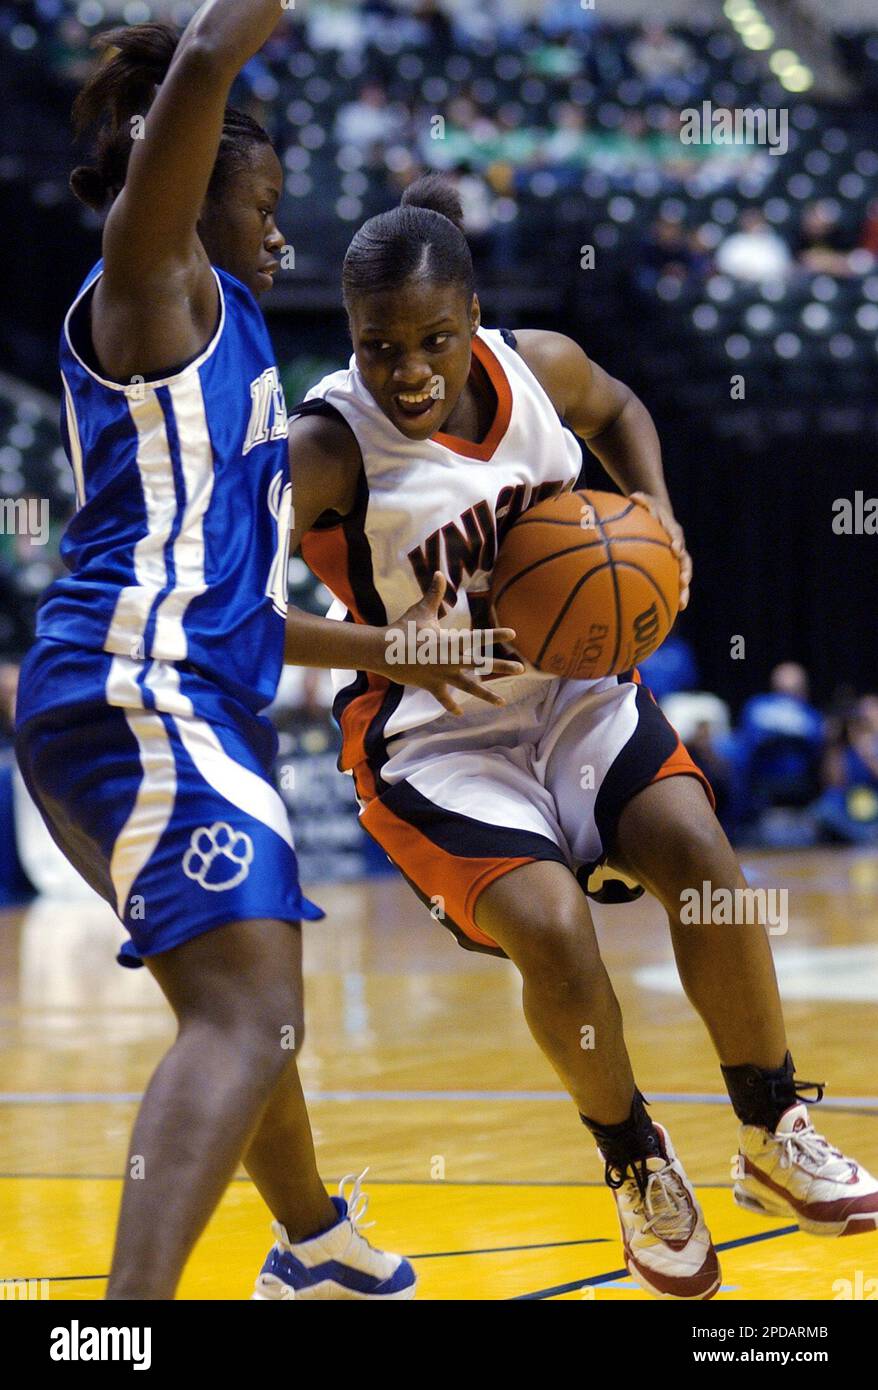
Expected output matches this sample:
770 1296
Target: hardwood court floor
419 1063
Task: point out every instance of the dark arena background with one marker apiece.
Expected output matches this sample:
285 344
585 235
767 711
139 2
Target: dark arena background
689 189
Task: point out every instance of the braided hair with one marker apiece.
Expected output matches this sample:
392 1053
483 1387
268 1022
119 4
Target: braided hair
123 87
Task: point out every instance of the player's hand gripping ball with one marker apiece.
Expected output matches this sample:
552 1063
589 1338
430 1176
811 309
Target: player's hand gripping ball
590 583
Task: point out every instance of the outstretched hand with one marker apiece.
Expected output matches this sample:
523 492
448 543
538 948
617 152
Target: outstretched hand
420 651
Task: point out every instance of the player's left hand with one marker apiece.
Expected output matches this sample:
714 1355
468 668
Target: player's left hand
663 514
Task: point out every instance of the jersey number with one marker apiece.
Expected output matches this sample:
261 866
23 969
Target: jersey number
280 500
268 413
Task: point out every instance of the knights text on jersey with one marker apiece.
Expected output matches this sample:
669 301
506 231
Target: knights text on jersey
440 504
178 549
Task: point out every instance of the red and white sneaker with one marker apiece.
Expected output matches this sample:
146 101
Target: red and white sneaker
668 1249
796 1172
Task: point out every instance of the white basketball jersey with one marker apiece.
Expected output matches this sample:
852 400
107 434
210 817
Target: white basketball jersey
424 505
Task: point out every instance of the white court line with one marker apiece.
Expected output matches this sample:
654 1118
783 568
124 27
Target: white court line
350 1097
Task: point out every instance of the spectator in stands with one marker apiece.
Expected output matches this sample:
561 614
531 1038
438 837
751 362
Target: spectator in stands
661 59
469 135
437 25
567 146
781 741
492 240
669 250
869 234
754 253
706 753
848 807
559 59
822 248
370 120
68 49
8 688
568 17
671 669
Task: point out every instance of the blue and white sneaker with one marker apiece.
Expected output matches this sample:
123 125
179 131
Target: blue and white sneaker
339 1263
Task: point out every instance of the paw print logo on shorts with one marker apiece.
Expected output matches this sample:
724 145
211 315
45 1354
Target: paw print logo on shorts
218 857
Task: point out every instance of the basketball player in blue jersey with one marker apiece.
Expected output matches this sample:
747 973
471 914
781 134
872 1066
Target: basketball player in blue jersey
408 468
138 724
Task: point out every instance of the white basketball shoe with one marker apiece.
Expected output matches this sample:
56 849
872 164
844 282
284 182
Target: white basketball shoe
795 1172
668 1249
338 1263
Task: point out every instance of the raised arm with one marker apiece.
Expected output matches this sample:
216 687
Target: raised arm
151 228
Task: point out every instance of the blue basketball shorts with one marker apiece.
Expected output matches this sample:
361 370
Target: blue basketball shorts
171 817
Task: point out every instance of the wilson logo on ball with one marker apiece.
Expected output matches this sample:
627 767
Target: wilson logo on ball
586 601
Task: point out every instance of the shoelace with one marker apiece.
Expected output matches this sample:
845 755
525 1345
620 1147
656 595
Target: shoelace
357 1205
818 1086
661 1196
358 1202
819 1155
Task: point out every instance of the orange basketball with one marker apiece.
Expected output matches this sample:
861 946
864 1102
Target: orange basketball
589 582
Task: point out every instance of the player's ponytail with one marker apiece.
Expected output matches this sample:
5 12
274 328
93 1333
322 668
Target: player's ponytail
423 236
135 63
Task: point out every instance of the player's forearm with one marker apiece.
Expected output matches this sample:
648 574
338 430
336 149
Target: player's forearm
328 643
232 31
630 451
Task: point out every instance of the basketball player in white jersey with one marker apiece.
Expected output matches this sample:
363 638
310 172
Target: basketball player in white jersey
408 468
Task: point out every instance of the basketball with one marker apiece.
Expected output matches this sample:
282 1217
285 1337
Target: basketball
589 582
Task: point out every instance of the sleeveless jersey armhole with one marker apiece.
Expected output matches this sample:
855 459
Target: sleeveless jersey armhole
326 520
510 340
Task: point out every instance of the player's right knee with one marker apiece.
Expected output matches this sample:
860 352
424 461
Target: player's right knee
560 943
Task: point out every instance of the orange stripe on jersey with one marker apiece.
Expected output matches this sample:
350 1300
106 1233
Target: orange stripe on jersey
326 554
500 382
679 763
436 872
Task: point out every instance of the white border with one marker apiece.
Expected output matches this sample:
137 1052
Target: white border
150 385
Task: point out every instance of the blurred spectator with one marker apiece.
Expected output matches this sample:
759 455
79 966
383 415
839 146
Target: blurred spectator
567 17
370 120
869 234
670 669
705 746
822 247
703 722
848 808
8 689
492 241
659 57
754 253
437 25
567 143
670 250
560 59
781 741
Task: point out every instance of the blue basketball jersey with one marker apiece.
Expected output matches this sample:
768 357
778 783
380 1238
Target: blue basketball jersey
178 548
